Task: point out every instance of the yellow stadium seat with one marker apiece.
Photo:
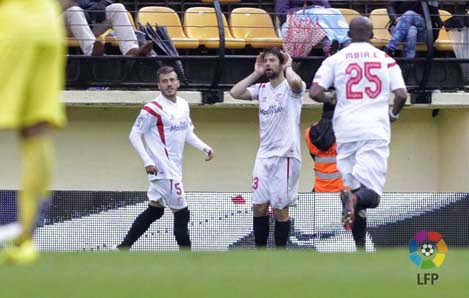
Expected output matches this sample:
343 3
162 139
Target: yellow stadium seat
443 43
201 23
165 16
255 26
380 20
349 14
72 42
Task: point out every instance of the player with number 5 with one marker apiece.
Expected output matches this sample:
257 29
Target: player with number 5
363 77
158 135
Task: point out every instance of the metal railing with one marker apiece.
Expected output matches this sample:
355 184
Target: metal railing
126 67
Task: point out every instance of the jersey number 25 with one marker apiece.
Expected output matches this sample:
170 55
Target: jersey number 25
356 72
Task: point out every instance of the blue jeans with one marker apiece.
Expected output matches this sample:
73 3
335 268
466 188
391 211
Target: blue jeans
410 29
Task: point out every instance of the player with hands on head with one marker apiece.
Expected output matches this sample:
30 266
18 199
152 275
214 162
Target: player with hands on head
277 167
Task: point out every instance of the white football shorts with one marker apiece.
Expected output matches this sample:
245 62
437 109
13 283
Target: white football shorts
364 163
276 180
167 192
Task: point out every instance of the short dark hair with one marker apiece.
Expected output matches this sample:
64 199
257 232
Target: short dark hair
276 52
165 70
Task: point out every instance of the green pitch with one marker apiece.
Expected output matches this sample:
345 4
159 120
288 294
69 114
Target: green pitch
295 274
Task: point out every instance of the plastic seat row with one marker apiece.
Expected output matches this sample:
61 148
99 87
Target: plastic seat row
248 26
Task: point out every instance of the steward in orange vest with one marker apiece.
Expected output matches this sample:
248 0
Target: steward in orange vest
320 139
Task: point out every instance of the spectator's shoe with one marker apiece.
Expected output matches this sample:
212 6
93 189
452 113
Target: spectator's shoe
348 209
24 254
9 232
98 49
144 50
390 52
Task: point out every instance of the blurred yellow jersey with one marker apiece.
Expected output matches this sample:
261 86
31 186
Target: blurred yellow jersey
32 63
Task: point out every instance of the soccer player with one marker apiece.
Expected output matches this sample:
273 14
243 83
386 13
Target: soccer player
32 58
364 78
276 171
158 135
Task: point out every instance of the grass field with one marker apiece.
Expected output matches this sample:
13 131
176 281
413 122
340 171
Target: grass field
387 273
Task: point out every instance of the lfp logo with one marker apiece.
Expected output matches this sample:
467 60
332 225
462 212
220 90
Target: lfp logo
427 249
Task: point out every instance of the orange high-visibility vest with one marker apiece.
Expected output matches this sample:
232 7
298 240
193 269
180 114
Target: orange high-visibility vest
327 177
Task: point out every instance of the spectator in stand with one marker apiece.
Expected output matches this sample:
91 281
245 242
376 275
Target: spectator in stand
408 26
87 19
283 7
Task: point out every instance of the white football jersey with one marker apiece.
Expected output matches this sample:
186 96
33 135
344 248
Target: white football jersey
364 78
279 119
166 126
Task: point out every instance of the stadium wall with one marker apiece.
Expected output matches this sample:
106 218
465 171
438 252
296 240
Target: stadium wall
428 154
98 220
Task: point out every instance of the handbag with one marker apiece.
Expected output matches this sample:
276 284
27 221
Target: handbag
302 35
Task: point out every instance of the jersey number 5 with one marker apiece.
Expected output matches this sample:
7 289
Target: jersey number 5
178 188
357 78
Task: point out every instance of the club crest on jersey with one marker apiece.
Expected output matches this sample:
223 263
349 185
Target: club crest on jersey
278 96
139 122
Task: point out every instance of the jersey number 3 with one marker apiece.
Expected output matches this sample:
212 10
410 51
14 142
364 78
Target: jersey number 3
357 77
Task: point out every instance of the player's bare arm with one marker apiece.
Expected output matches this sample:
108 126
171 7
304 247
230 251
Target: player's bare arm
293 79
318 93
240 90
400 97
